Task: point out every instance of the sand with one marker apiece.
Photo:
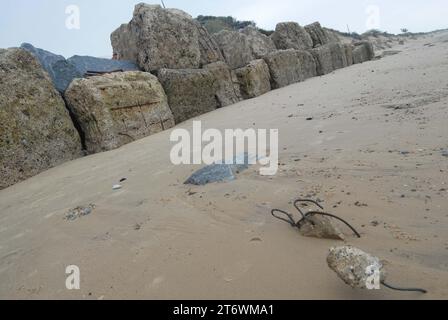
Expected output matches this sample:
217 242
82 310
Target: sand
372 154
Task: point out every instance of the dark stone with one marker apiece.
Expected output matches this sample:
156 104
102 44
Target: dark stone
86 63
219 172
61 72
45 58
212 173
64 74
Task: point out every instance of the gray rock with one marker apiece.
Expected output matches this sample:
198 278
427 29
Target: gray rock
211 174
318 226
259 43
330 57
79 212
445 153
352 265
86 63
254 79
46 58
318 34
118 108
290 66
363 52
192 92
159 38
219 172
290 35
61 72
36 131
234 47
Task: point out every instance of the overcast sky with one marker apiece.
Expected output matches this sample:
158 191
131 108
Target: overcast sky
43 22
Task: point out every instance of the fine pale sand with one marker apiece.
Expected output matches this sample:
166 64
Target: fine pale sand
372 154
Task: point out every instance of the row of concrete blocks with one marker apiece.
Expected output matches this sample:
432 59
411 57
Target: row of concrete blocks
133 105
221 86
108 111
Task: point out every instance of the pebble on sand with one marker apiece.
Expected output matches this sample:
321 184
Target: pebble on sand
79 212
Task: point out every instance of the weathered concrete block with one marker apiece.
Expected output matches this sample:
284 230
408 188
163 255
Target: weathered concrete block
363 52
36 131
164 38
259 43
332 35
318 34
118 108
330 57
192 92
227 90
290 35
234 47
290 66
254 79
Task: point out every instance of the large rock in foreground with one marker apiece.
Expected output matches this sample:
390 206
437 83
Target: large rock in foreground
164 38
354 266
330 57
363 51
60 70
290 66
36 131
234 47
290 35
118 108
254 79
192 92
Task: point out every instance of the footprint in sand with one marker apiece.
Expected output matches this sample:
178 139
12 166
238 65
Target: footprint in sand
236 271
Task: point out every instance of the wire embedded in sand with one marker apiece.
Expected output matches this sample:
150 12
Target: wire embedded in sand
306 216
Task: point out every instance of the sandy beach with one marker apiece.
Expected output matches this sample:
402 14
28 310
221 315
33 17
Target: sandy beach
373 153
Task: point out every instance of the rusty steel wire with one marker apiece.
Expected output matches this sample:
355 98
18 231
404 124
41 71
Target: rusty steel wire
305 216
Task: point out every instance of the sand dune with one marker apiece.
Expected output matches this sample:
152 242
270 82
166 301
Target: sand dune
372 154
